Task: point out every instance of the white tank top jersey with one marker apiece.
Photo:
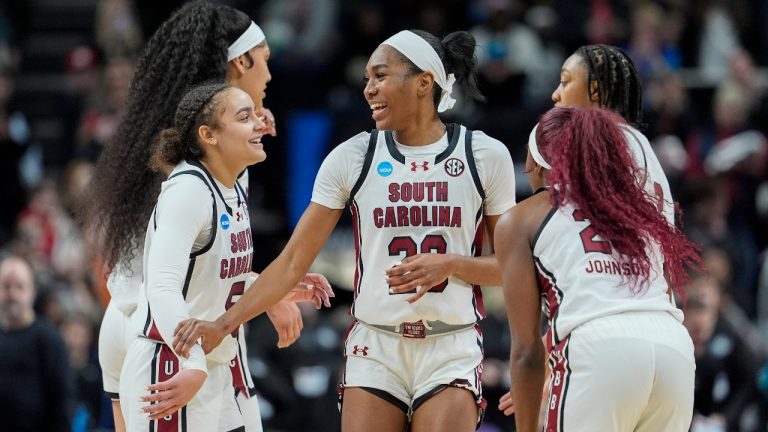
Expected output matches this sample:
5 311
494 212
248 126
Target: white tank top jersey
407 200
580 279
212 221
654 179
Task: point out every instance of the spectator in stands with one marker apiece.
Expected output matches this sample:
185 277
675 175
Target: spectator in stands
35 380
726 366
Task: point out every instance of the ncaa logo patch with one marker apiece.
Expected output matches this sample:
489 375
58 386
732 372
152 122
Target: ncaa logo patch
224 221
454 167
384 169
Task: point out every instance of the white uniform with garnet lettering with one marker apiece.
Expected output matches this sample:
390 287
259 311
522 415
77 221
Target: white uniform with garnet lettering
407 200
197 258
626 352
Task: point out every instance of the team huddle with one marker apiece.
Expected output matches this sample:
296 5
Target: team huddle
594 250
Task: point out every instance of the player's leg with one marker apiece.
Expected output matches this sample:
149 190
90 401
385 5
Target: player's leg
364 411
117 414
452 408
374 396
448 393
112 349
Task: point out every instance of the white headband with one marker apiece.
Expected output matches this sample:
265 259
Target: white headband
249 39
421 53
533 147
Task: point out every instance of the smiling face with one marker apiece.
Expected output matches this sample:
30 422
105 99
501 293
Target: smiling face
390 89
573 88
238 132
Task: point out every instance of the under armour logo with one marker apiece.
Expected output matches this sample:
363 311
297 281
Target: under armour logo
358 351
424 165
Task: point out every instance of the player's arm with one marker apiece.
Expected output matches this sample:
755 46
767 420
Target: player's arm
274 283
523 304
183 211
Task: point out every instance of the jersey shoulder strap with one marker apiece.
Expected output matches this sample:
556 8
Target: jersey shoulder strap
471 161
366 164
202 178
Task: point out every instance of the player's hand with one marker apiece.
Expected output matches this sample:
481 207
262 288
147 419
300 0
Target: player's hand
169 396
189 331
506 404
418 272
313 287
286 317
266 117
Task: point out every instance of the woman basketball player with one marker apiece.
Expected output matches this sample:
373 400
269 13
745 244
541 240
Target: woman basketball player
199 42
594 249
421 193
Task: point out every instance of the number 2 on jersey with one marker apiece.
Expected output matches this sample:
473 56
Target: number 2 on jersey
589 233
431 243
588 236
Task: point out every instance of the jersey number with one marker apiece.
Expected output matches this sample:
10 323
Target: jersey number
430 244
237 290
588 236
589 233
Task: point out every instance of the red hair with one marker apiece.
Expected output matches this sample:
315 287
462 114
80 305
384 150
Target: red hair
591 162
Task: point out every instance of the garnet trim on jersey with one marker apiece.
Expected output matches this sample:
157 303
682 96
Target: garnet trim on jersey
164 356
558 390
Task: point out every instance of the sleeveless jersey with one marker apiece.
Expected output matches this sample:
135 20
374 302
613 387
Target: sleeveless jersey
581 280
653 180
404 206
217 273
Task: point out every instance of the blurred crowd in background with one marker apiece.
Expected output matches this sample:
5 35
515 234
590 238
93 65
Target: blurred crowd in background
65 69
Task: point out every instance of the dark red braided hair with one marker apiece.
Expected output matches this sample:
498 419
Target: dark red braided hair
592 168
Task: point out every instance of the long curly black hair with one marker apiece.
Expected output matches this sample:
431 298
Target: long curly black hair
189 48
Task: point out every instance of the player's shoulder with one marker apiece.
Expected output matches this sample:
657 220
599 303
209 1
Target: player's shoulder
351 149
633 135
489 150
188 180
484 142
356 142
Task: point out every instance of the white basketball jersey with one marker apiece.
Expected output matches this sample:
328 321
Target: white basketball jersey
402 207
217 273
654 181
580 279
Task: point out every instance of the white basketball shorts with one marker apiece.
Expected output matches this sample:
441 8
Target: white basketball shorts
626 372
410 370
149 362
